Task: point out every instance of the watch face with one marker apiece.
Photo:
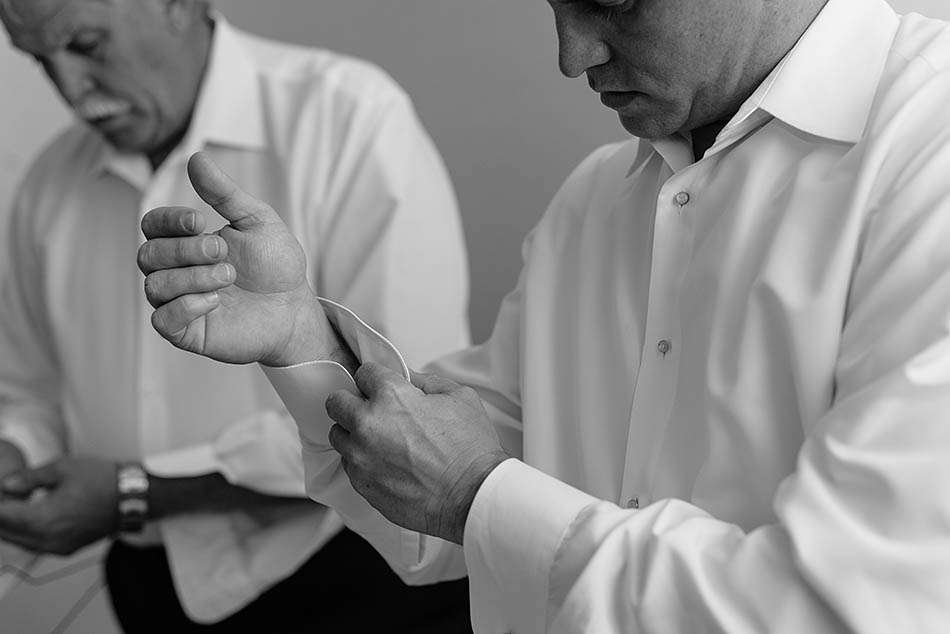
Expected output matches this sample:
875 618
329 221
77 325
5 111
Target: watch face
132 503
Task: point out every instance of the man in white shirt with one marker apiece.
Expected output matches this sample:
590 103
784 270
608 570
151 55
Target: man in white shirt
719 398
209 453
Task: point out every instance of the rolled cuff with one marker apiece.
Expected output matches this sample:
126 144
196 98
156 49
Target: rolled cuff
512 536
183 463
37 444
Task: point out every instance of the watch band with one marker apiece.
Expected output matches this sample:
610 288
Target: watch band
132 504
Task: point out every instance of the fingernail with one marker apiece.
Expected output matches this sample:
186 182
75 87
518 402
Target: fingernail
13 482
213 298
188 222
222 273
211 247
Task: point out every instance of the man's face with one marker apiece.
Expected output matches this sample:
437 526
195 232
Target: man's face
663 65
117 63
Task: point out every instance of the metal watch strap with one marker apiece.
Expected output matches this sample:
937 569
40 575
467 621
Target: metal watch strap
132 506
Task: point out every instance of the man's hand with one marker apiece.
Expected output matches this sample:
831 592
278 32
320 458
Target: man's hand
11 459
239 295
78 508
417 452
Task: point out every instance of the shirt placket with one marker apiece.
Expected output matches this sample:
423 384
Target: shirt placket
660 357
153 404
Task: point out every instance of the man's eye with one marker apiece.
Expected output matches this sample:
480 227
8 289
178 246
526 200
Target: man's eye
85 44
611 13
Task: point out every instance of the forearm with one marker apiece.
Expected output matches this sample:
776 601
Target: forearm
169 497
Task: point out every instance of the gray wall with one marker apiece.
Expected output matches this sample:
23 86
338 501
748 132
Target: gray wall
484 78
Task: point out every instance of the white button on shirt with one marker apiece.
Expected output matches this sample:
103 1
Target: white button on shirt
791 450
335 146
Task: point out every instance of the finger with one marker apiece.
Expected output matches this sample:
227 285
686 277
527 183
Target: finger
171 253
345 409
432 383
374 379
172 320
168 222
341 441
218 190
24 482
163 286
16 519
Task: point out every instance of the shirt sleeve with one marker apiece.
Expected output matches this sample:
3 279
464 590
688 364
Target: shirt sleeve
860 543
30 414
418 559
260 452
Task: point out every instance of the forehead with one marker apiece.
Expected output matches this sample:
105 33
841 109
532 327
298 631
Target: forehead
40 24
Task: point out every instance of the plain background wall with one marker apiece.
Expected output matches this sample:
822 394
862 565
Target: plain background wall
483 74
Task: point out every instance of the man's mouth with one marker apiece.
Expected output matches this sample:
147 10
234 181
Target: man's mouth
615 99
100 110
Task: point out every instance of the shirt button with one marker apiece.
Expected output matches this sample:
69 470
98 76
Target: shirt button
633 503
681 199
664 346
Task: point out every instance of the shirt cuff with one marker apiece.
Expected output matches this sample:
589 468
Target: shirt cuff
183 463
513 533
304 387
38 446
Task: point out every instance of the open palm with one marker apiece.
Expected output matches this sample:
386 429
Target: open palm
241 300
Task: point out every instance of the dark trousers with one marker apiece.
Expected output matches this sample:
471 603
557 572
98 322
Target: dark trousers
345 587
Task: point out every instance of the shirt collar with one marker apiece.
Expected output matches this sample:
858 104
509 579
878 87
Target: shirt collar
228 111
825 85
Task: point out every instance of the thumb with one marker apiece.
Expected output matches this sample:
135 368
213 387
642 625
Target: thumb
22 483
217 189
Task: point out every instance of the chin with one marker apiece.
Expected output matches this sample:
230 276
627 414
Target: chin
649 127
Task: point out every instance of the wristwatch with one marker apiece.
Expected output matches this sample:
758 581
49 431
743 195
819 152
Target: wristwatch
132 506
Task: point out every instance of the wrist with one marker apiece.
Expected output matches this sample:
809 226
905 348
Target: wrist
312 338
458 503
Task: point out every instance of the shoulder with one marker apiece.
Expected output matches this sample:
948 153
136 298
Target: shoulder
592 186
909 125
598 177
309 73
916 77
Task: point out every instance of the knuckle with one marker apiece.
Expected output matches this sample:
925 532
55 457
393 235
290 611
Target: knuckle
181 250
198 278
190 304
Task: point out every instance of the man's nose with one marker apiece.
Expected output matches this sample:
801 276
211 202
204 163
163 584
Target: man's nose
580 46
69 74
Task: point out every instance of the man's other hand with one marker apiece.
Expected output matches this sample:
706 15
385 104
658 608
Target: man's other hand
238 295
417 452
11 459
78 506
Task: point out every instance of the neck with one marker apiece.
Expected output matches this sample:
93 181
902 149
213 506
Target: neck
781 25
201 38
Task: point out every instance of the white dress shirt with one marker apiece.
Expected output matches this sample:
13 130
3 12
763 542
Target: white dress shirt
335 146
728 380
